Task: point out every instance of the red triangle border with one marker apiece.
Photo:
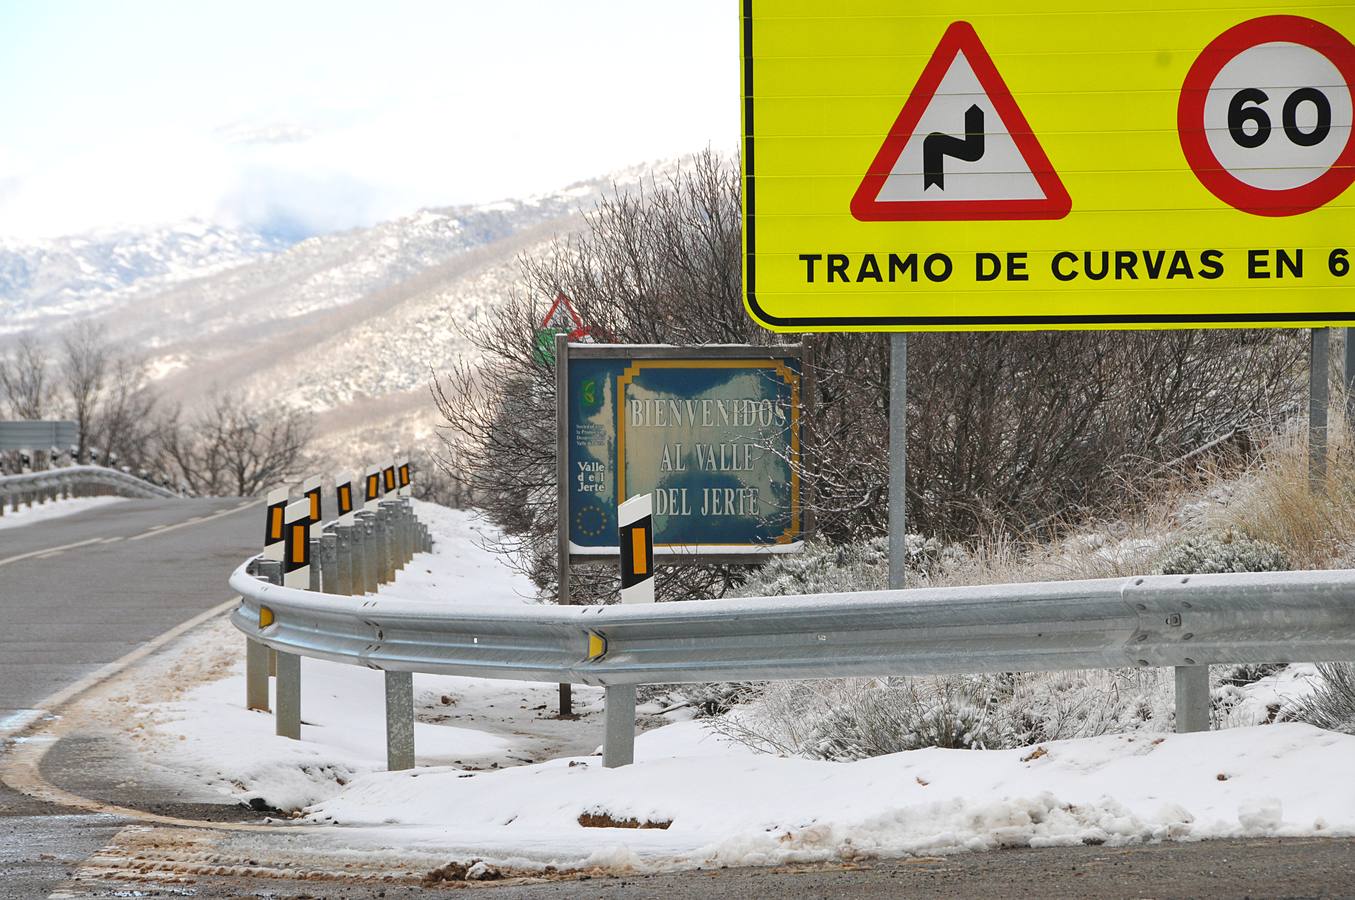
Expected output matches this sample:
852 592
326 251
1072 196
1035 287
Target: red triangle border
960 36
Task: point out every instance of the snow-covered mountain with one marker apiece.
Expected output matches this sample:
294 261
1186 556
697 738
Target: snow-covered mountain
348 324
49 280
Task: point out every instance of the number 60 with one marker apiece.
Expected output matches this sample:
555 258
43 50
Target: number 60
1239 114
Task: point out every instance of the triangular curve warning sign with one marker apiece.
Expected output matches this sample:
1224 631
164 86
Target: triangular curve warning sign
960 148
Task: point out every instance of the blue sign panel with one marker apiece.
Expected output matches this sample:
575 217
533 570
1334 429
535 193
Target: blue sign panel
715 440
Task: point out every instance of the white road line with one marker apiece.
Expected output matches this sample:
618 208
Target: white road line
48 551
152 532
168 528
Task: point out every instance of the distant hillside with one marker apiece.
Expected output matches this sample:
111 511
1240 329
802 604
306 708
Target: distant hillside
348 324
48 281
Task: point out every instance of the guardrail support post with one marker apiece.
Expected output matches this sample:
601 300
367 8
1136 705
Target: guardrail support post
329 563
402 535
288 715
313 570
270 570
366 524
618 743
1192 699
357 549
343 560
256 675
406 533
383 546
399 721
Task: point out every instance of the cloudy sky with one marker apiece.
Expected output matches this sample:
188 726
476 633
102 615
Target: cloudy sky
304 117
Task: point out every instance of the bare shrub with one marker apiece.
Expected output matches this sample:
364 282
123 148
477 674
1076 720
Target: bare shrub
26 378
234 447
83 361
1012 436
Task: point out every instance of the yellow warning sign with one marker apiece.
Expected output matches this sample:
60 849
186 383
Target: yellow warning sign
975 166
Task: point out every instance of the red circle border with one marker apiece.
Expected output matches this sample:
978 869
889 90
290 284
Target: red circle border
1195 90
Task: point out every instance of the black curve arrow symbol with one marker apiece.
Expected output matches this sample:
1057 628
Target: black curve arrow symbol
938 145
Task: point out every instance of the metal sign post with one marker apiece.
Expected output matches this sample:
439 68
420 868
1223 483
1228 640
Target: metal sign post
562 494
898 459
1317 407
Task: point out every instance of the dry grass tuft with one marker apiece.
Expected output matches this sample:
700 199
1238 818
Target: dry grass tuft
1275 502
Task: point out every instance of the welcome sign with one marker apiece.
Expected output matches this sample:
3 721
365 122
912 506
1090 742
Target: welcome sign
712 433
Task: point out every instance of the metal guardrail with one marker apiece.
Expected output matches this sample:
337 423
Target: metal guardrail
75 481
1187 622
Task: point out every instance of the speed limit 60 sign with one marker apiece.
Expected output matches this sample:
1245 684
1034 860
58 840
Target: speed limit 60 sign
979 166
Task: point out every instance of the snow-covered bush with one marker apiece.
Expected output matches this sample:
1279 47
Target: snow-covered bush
1225 551
855 718
714 699
1332 704
824 568
821 568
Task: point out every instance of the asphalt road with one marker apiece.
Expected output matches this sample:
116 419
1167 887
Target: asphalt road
81 591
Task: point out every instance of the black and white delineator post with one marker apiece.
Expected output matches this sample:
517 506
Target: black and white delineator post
635 537
296 573
372 496
343 498
388 478
310 490
296 562
273 524
635 533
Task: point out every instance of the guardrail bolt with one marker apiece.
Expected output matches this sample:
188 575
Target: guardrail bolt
1174 620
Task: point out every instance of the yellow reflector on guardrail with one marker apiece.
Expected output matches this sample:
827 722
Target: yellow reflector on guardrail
265 617
597 646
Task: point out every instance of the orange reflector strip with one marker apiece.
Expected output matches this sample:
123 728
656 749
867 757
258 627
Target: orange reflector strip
275 526
265 617
638 555
300 534
390 479
372 485
345 499
315 507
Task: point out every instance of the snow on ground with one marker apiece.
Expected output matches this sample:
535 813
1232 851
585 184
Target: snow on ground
502 778
27 515
470 723
460 570
719 805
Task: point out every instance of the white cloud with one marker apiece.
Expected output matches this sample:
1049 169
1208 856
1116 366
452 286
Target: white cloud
468 109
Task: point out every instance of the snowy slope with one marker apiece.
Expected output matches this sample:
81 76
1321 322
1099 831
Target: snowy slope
350 324
50 280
